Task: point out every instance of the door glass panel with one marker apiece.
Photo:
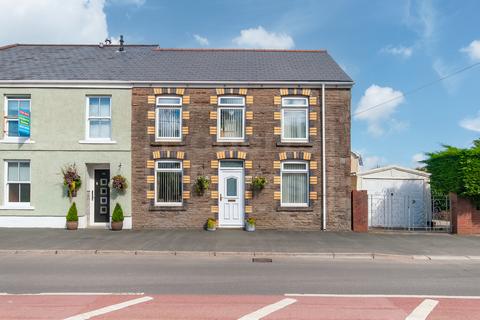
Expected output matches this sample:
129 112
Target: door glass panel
231 187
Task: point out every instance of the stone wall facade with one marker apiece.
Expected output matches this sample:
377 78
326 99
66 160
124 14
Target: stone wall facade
262 153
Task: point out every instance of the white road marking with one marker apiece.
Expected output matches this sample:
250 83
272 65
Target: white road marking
114 307
74 294
422 311
271 308
326 295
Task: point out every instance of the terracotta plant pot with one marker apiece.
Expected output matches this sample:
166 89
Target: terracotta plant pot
72 225
116 225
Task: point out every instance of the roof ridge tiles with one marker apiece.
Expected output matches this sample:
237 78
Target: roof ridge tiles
239 49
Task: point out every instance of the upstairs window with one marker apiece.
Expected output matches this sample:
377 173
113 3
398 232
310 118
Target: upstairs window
294 184
231 118
17 117
294 119
168 119
168 183
17 182
99 118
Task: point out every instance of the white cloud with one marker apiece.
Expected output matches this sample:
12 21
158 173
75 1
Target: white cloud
52 21
260 38
417 157
421 17
372 162
473 50
380 115
401 51
137 3
201 40
471 123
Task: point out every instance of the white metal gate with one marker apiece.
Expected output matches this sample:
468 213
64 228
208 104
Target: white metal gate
390 210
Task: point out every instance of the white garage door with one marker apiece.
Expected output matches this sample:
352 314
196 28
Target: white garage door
396 203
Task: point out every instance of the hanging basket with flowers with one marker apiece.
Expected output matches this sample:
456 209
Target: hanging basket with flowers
71 179
119 183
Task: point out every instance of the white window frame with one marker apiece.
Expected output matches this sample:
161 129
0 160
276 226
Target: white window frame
304 108
16 205
282 171
173 106
168 204
227 106
88 118
6 137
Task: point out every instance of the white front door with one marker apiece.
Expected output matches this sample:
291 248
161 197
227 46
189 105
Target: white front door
231 194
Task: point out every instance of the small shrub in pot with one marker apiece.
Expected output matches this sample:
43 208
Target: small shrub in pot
72 217
117 218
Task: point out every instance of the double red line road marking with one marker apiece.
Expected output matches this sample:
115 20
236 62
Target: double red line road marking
82 306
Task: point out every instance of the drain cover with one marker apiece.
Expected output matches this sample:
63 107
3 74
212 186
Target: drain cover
262 260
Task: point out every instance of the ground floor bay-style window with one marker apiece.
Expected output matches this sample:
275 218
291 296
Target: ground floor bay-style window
294 184
17 183
168 183
231 119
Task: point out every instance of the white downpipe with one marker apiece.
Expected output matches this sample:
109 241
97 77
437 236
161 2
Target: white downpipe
324 165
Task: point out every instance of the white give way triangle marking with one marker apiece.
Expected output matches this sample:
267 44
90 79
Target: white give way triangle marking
265 311
422 311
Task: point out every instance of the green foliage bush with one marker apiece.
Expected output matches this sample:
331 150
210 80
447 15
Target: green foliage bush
258 183
117 214
211 223
72 214
455 170
201 185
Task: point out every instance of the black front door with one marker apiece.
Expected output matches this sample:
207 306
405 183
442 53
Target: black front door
102 195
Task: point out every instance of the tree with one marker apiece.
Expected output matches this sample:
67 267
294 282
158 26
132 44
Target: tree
455 170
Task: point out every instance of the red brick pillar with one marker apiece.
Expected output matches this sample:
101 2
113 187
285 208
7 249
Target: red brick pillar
465 216
359 210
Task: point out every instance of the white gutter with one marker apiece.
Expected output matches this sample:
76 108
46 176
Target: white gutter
129 84
324 165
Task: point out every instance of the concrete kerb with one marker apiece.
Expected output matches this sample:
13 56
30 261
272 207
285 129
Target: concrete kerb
316 255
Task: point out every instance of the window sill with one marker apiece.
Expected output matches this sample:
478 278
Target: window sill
294 144
17 141
97 142
294 209
167 143
167 208
14 207
230 143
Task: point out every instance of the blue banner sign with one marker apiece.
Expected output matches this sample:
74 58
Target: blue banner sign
24 120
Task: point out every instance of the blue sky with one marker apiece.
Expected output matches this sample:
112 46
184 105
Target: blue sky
387 47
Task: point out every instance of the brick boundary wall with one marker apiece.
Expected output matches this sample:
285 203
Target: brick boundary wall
465 215
360 210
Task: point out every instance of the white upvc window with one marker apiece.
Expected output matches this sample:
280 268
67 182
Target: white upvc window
168 119
17 183
99 118
14 107
294 119
294 184
231 119
168 183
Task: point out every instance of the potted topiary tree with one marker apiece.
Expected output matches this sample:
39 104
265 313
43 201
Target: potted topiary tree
72 217
117 218
250 224
211 224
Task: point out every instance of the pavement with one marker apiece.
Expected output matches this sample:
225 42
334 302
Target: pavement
114 306
426 246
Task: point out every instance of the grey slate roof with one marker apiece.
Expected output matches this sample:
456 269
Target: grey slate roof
150 63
